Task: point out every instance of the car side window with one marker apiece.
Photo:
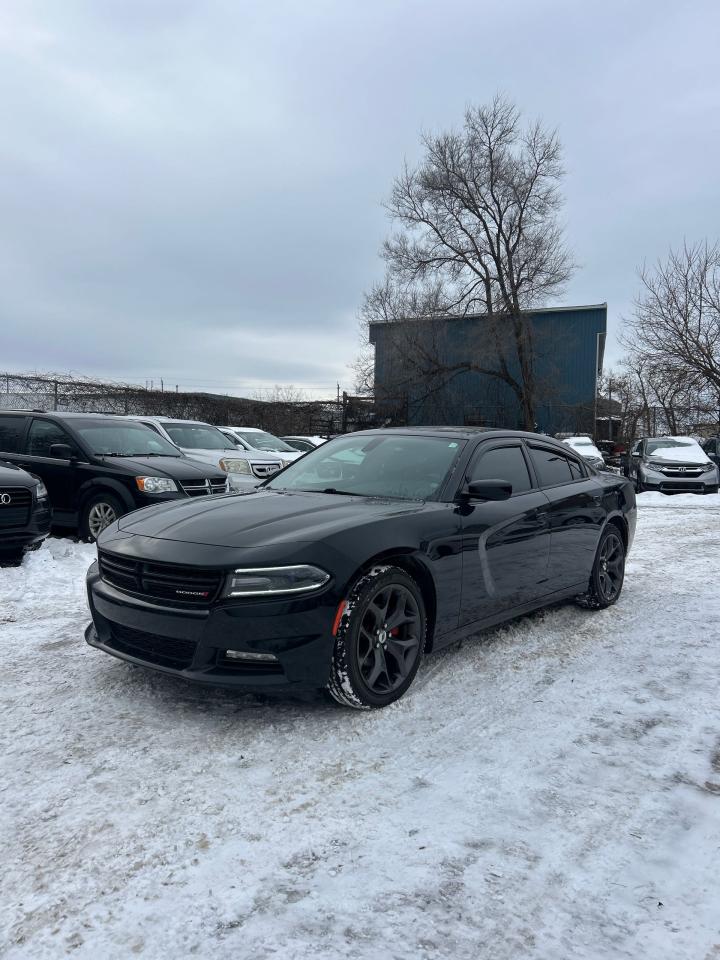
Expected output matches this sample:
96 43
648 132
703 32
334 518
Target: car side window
502 463
11 431
576 469
42 435
551 466
153 427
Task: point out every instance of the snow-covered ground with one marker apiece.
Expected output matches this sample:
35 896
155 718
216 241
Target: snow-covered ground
548 791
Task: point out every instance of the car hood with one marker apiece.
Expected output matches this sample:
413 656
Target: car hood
264 518
215 456
178 468
11 475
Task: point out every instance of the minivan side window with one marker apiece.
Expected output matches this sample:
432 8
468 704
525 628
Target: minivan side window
42 435
11 430
551 467
502 463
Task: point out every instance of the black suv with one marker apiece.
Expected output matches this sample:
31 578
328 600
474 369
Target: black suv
24 512
98 467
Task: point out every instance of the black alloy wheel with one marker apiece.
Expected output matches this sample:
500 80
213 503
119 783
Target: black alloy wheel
380 640
608 573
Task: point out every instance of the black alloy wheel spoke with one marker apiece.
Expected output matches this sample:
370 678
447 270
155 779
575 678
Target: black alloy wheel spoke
612 564
388 643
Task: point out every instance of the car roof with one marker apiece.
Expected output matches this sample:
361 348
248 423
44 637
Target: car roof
459 433
69 415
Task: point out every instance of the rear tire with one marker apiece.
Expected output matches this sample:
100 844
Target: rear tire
99 512
608 572
380 640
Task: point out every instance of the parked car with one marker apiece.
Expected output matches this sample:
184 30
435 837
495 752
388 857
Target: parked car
205 442
613 452
587 449
97 468
256 440
671 465
303 444
344 569
712 448
25 512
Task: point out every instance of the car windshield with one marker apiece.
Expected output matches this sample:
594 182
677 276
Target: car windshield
114 438
197 436
665 443
397 466
261 440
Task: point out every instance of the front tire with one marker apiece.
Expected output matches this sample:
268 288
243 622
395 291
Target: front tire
608 572
99 512
380 641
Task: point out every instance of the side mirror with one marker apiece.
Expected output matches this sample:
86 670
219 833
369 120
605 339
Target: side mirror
487 490
62 451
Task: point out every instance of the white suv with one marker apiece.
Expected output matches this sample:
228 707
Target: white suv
260 441
205 442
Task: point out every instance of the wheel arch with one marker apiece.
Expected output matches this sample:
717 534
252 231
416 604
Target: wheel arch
619 521
104 485
407 559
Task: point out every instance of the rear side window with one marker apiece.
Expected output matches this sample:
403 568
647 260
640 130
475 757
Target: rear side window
576 469
42 435
11 431
502 463
551 467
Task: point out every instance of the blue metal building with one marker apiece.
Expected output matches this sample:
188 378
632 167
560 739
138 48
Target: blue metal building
436 388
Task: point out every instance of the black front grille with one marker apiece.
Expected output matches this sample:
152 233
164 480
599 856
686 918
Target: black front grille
680 486
164 651
167 582
15 503
202 488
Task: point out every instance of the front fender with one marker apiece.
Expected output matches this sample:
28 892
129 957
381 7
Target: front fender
91 487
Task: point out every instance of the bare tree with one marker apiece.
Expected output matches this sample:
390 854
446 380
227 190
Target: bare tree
675 330
478 233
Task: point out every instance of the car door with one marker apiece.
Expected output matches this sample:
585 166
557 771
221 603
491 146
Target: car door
12 435
711 448
58 474
635 455
506 544
576 513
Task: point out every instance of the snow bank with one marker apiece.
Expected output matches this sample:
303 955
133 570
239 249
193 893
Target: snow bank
548 791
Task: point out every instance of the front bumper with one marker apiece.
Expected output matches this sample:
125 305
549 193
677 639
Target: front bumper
664 484
191 643
33 533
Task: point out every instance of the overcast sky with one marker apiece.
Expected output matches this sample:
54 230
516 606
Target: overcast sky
192 190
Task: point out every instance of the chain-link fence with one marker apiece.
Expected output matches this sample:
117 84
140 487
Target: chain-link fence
85 395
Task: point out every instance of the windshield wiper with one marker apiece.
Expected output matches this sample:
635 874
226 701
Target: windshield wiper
342 493
115 453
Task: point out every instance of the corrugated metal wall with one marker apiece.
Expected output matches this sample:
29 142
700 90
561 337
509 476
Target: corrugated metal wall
565 343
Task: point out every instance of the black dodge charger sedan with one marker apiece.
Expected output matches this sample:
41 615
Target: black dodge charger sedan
348 566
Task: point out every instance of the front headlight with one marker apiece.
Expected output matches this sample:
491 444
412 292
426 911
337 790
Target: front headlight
234 465
656 467
41 491
156 484
710 467
268 581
